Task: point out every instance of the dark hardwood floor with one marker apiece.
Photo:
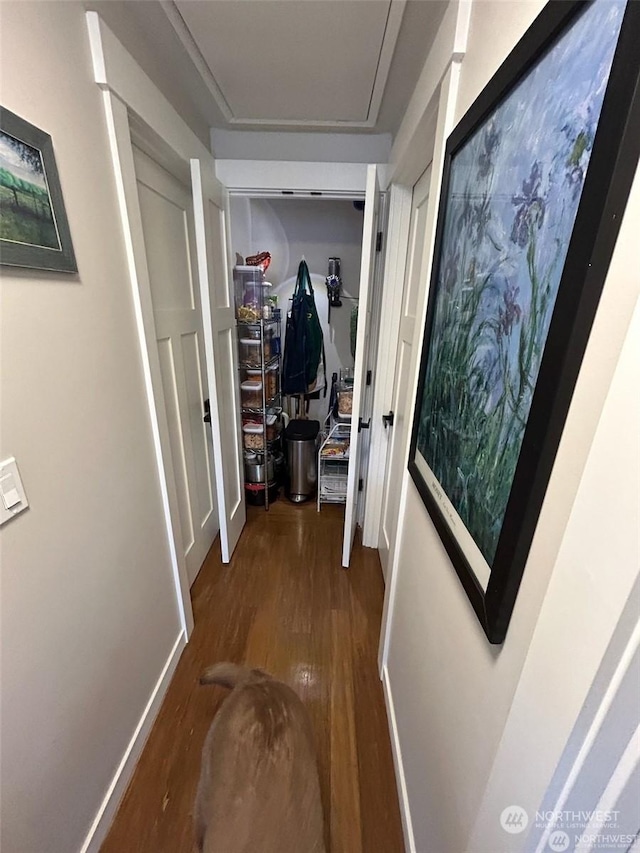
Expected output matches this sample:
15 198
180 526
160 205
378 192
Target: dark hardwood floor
283 604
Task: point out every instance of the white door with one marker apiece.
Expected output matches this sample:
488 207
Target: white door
400 406
214 264
367 270
169 237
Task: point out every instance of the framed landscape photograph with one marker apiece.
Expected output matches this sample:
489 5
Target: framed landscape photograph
535 182
34 231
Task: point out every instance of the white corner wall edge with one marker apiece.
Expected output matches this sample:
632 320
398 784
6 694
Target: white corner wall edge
398 766
116 70
102 821
449 46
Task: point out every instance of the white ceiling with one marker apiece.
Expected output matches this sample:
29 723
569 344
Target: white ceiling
328 65
304 63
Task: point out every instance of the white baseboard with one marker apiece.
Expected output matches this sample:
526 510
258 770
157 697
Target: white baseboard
116 789
405 811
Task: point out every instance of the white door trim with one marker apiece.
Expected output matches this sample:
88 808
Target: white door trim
129 204
367 272
133 105
216 295
397 239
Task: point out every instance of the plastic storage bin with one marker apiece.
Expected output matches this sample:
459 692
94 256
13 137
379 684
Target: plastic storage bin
250 352
253 433
251 292
251 393
271 376
345 400
272 381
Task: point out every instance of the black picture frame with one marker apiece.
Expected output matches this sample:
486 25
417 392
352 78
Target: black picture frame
612 164
31 202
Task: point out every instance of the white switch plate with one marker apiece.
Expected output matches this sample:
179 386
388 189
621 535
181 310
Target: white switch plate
12 495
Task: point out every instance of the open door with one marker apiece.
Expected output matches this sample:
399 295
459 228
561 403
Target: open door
399 428
367 268
218 318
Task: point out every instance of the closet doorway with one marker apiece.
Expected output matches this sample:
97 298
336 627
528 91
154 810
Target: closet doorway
292 226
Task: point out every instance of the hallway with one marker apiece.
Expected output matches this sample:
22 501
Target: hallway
283 604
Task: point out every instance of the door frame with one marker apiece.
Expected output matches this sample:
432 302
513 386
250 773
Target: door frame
136 111
415 265
144 178
395 261
442 108
308 180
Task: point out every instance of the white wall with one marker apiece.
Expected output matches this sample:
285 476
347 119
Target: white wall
592 580
318 229
88 602
452 692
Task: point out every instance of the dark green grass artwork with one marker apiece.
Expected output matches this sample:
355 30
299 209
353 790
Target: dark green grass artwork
510 209
25 205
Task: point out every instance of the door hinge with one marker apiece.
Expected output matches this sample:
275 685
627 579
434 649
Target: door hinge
379 241
363 424
369 376
360 484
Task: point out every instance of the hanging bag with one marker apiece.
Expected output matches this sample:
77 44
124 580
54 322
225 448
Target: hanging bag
303 343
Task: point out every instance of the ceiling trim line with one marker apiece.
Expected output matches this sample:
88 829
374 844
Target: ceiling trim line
189 43
387 49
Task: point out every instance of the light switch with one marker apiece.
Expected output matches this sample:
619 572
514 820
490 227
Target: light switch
14 499
10 498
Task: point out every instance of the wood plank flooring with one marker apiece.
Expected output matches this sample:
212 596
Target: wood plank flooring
283 604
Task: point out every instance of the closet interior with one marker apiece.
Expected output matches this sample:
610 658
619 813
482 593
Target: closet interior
281 433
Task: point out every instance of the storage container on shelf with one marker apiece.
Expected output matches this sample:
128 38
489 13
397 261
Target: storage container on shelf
271 379
251 393
269 350
250 352
253 433
345 399
251 292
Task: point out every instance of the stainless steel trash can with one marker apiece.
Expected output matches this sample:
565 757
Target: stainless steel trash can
302 459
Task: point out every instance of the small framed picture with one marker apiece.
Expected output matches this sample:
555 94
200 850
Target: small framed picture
34 231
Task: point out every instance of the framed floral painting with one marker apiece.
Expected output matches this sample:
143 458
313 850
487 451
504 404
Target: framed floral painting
535 182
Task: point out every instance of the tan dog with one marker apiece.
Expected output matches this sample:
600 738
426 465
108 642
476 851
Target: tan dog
258 789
